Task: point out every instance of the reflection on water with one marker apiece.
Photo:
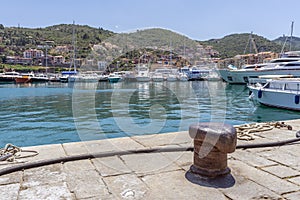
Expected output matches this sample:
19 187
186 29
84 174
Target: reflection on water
37 114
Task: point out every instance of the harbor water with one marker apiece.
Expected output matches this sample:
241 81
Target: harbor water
49 113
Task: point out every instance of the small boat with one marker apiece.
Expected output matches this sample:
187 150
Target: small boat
114 77
182 76
171 77
142 73
280 93
196 73
39 78
25 78
157 77
9 77
103 78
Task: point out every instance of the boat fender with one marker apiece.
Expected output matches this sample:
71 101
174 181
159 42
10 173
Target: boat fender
297 98
259 94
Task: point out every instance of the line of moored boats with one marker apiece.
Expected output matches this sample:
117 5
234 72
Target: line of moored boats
141 74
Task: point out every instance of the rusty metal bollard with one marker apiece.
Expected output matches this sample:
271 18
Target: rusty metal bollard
212 142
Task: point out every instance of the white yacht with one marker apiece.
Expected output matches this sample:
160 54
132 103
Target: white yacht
287 64
182 76
142 73
171 77
280 92
157 77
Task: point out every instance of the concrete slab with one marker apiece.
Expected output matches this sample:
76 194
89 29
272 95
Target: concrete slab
281 171
174 185
157 140
126 186
292 196
50 174
269 181
247 189
9 191
86 183
58 190
295 180
110 166
251 158
143 164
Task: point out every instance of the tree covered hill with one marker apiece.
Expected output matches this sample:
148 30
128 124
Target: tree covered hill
235 44
288 43
14 40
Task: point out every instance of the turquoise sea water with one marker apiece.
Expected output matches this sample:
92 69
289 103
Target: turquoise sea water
50 113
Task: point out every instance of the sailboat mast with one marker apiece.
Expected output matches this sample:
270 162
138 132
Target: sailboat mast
74 46
292 27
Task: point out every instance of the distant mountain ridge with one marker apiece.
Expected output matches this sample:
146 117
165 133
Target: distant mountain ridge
235 44
14 40
289 43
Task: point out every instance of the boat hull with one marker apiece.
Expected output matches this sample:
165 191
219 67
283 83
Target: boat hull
143 79
273 98
244 76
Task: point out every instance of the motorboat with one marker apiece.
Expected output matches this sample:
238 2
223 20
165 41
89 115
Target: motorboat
279 92
196 73
142 73
39 78
287 64
171 77
182 77
68 76
24 78
114 77
157 77
9 77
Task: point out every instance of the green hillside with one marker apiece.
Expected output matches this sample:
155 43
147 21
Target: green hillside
14 40
288 43
235 44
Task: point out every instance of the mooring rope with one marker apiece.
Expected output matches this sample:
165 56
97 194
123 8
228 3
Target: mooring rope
11 152
245 131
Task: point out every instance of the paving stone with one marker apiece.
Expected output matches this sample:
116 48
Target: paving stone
149 163
295 180
43 175
110 166
98 146
57 190
260 177
281 171
163 139
82 165
174 185
292 196
86 183
282 157
45 152
126 186
247 189
9 191
15 177
182 158
251 158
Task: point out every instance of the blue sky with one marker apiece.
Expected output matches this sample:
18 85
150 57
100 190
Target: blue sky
197 19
